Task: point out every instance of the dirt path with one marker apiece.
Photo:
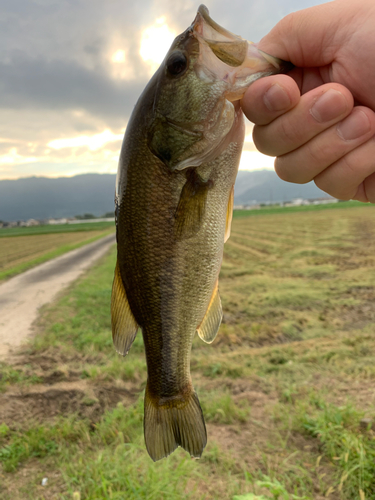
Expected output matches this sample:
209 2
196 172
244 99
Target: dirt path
23 295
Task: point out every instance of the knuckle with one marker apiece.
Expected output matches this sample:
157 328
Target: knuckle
288 168
284 169
321 183
290 21
289 133
318 152
261 139
328 182
349 166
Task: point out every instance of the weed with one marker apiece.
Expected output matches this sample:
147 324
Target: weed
353 452
219 407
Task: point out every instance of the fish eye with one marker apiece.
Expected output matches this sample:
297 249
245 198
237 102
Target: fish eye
177 63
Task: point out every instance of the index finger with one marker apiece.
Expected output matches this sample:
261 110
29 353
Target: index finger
269 97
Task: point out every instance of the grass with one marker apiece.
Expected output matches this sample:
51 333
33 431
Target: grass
55 229
353 451
276 209
284 387
17 254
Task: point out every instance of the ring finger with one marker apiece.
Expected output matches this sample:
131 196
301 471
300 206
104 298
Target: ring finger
305 163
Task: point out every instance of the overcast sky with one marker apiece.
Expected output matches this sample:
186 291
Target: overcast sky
72 70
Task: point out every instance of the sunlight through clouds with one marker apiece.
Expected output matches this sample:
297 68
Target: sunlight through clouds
253 160
118 56
121 67
13 157
93 143
155 42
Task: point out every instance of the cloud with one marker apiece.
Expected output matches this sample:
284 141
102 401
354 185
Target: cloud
74 68
59 84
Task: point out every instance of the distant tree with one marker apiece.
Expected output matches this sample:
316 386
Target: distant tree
85 216
108 215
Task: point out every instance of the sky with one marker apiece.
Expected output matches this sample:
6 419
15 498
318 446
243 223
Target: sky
72 70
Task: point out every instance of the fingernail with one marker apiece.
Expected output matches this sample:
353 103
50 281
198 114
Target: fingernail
354 126
276 99
329 106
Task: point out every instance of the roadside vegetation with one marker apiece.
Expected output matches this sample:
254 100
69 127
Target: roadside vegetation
277 209
24 247
286 387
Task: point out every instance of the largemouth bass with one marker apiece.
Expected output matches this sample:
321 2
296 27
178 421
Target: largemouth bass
174 202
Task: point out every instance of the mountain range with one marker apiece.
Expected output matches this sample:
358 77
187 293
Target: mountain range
43 198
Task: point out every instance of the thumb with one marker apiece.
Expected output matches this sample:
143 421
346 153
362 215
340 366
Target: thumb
308 37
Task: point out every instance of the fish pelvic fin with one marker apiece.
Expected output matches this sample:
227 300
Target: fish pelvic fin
124 326
209 327
176 422
228 222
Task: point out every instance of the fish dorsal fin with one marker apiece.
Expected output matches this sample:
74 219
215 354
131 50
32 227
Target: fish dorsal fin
124 326
209 327
229 215
192 205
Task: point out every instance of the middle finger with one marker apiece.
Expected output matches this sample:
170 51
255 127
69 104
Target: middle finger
316 111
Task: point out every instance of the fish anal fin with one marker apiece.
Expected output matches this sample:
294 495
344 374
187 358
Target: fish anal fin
209 327
192 205
124 326
229 215
177 421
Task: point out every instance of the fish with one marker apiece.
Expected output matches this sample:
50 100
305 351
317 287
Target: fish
173 206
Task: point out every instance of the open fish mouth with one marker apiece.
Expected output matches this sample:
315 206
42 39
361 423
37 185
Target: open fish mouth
227 57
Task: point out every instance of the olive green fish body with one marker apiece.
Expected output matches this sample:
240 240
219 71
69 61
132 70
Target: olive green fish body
174 201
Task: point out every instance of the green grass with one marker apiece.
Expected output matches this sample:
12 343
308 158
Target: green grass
36 443
28 264
60 228
337 428
276 209
10 376
283 387
219 407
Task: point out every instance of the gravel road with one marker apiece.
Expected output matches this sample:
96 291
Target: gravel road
23 295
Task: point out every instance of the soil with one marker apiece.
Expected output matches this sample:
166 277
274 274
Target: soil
63 393
43 403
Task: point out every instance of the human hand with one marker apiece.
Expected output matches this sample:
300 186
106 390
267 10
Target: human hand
307 119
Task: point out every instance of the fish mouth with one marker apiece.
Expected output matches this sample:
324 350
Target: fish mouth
227 57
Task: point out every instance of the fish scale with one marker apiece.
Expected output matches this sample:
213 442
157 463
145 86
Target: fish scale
174 201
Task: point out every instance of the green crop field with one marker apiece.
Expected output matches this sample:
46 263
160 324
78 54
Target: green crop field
287 387
56 229
25 247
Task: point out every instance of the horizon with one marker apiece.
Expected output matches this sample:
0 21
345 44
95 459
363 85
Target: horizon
33 176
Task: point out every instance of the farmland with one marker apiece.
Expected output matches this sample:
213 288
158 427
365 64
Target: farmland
284 387
25 247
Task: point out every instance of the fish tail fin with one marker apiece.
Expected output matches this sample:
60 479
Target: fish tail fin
175 422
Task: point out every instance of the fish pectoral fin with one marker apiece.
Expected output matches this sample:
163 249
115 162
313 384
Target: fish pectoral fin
228 223
192 205
124 326
209 327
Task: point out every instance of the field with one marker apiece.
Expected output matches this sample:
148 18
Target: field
25 247
287 387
